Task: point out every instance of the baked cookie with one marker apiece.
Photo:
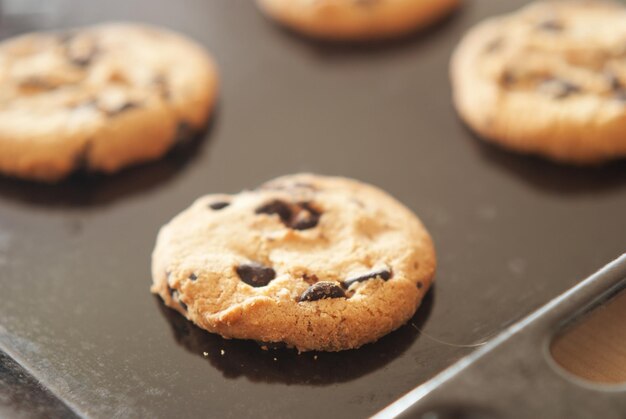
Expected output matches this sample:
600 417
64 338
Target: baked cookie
98 98
356 19
549 79
317 263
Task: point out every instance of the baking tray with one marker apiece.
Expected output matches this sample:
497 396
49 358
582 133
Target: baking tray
511 231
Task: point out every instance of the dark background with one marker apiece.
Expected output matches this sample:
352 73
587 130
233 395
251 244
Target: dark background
511 231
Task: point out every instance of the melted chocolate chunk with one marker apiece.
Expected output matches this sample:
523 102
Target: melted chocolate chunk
193 277
300 216
306 218
419 285
218 205
384 274
183 305
322 290
255 274
559 88
281 208
551 25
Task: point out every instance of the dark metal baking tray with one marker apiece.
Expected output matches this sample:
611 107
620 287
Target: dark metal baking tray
511 231
514 375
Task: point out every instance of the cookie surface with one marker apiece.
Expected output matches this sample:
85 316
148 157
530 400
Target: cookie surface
356 19
98 98
317 263
549 79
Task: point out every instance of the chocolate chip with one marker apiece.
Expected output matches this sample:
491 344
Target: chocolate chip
281 208
300 216
419 285
322 290
219 205
255 274
384 274
559 88
551 25
175 296
306 218
193 277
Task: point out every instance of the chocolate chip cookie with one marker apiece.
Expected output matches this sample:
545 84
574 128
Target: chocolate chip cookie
98 98
549 79
313 262
356 19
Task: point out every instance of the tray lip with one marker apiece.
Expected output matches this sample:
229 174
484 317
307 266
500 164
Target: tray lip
30 370
560 312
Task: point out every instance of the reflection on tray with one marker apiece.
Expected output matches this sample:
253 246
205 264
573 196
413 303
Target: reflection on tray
554 178
237 358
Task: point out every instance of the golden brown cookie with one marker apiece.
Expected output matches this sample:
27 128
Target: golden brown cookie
318 263
98 98
356 19
549 79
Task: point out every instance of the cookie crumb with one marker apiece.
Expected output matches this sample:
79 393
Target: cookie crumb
315 357
205 353
222 352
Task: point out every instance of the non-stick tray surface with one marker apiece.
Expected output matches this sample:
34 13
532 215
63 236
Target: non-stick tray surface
511 231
